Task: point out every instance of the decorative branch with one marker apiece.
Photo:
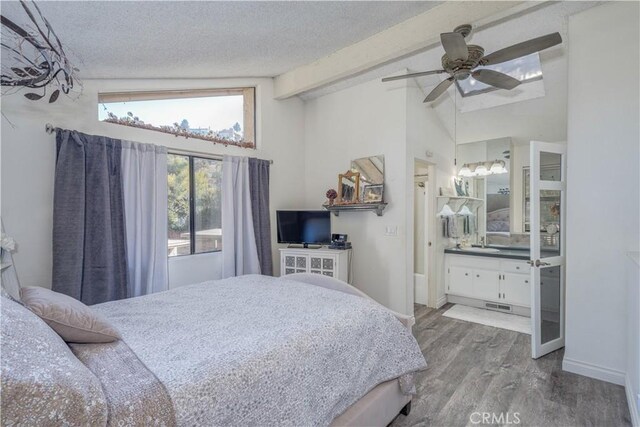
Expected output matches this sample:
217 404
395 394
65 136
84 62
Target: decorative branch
39 58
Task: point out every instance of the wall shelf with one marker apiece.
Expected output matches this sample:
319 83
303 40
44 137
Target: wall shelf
457 202
378 208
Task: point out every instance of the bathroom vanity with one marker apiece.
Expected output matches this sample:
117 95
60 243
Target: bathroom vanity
497 279
489 278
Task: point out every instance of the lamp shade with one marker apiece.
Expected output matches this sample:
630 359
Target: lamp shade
498 167
465 211
465 171
481 170
446 211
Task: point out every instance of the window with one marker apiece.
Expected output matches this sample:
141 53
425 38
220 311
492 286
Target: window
526 69
194 204
222 116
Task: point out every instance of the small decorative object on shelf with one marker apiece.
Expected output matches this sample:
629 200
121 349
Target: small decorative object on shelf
349 188
331 195
373 193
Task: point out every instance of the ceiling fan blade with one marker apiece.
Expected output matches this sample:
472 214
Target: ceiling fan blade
439 90
522 49
495 78
455 46
406 76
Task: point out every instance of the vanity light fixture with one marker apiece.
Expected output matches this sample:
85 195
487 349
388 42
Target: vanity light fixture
496 167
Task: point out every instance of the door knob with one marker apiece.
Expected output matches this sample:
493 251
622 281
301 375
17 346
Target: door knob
541 263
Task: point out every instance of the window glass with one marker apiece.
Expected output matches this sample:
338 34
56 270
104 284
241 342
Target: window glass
178 204
208 218
225 116
526 69
194 205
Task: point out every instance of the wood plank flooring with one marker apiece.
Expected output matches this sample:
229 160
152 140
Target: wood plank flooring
474 368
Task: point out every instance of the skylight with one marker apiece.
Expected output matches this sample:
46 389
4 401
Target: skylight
526 69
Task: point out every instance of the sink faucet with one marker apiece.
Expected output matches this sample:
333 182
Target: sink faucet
482 241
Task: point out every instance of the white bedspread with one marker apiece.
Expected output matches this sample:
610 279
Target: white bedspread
256 350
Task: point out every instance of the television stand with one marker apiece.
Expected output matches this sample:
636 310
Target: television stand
303 246
329 262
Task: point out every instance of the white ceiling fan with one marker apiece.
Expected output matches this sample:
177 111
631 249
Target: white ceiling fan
461 60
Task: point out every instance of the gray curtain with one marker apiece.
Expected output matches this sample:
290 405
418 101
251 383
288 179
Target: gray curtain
89 239
259 189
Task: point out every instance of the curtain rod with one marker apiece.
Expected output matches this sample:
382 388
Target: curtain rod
48 128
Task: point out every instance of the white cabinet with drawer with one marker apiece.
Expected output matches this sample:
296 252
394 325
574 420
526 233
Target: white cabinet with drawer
329 262
504 281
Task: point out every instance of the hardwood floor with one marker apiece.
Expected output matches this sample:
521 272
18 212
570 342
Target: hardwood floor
475 369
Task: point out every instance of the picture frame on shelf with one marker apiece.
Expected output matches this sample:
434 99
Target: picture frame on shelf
373 193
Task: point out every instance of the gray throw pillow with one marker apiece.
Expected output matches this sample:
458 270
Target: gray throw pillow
71 319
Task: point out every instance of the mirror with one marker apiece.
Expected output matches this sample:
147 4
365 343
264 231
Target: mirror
348 187
504 218
490 161
371 186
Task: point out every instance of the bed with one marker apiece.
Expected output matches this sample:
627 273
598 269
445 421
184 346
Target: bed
252 350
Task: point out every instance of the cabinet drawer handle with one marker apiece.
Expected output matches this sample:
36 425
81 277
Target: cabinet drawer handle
526 281
466 274
477 275
517 268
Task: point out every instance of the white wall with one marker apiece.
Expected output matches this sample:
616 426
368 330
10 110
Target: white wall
426 132
365 120
28 156
603 177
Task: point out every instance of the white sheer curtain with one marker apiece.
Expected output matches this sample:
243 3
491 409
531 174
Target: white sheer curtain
239 250
144 181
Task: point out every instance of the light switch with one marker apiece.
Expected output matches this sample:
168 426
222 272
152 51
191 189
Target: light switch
391 230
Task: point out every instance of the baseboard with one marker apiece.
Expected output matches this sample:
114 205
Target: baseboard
441 301
593 371
633 401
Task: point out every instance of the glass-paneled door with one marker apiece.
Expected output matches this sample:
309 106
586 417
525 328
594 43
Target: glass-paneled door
548 202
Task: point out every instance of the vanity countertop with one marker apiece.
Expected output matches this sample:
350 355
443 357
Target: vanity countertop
502 252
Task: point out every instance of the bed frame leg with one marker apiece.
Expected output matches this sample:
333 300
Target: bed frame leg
406 410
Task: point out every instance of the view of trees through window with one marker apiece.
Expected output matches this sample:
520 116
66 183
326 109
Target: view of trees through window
194 204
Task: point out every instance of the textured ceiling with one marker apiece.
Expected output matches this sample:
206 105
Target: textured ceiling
172 39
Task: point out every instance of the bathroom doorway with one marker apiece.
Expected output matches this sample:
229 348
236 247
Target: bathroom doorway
422 231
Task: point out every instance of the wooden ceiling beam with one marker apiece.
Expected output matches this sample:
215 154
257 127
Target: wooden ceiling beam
403 39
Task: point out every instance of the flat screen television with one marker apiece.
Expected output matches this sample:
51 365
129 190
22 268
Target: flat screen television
304 227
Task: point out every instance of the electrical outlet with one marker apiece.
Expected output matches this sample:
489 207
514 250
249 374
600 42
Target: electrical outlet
391 230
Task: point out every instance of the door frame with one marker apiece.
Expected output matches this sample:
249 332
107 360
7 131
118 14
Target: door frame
430 217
